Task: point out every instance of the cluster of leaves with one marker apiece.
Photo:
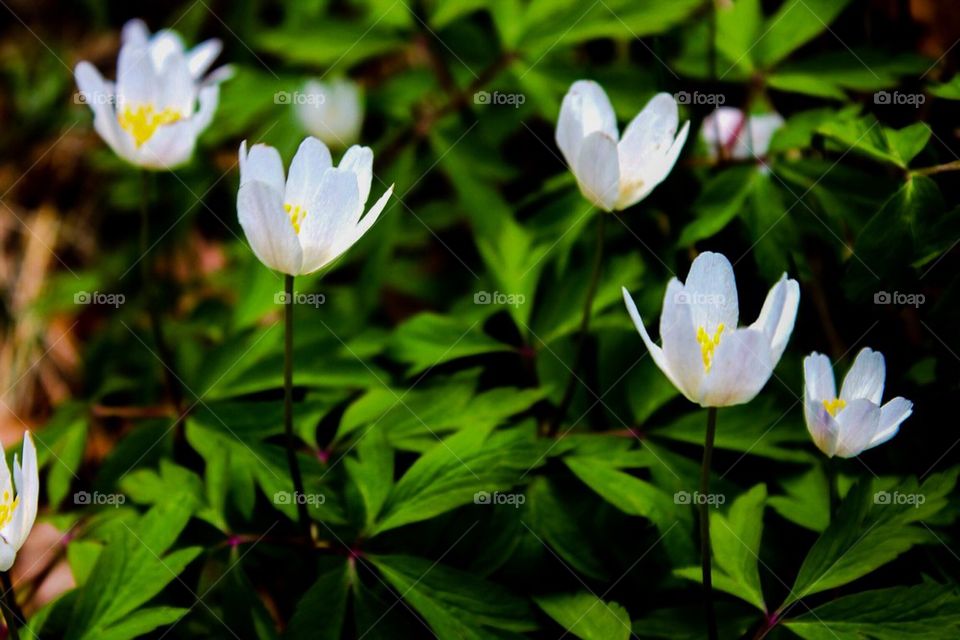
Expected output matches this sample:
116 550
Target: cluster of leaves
448 336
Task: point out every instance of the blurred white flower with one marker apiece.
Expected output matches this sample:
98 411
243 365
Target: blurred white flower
704 354
331 111
302 223
17 514
160 103
742 137
854 421
613 172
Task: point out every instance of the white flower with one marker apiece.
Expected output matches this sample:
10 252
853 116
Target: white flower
160 103
17 512
302 223
741 136
331 111
704 354
612 172
854 421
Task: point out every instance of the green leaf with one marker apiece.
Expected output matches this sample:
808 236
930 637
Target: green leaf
321 611
372 472
738 27
142 622
328 42
720 201
869 533
428 339
587 616
794 24
867 137
455 604
807 501
735 539
927 611
456 469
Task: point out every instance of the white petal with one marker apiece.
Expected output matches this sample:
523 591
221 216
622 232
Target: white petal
262 164
865 378
100 96
818 381
8 555
778 315
329 217
598 171
755 140
268 228
202 56
5 483
360 161
28 492
177 89
891 415
740 367
307 168
821 425
367 221
137 82
655 351
135 31
209 97
711 292
584 110
858 423
163 44
637 181
722 126
679 338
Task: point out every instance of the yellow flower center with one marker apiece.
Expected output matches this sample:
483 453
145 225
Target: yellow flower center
7 507
142 122
297 214
834 406
708 344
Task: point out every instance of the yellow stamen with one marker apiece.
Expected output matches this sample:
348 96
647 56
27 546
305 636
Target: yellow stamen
142 122
708 344
834 406
7 507
297 214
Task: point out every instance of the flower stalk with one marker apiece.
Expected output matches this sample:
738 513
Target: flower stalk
704 508
295 475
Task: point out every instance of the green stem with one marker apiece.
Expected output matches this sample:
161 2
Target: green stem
704 509
567 398
833 487
298 493
11 610
940 168
170 380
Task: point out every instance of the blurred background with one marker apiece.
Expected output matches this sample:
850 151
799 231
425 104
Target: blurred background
855 197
